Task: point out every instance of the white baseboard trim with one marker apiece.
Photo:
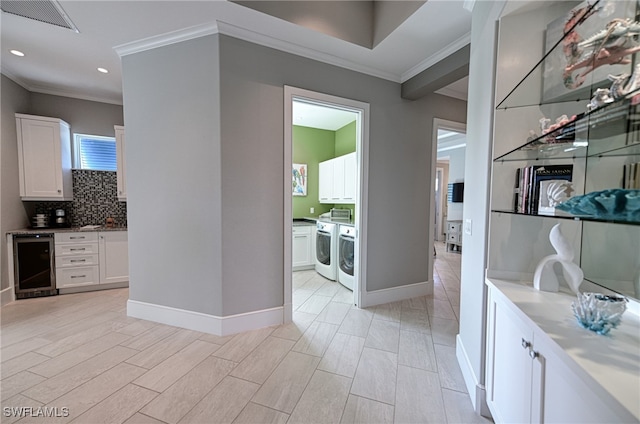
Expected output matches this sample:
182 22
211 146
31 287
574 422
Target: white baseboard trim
197 321
7 296
394 294
476 391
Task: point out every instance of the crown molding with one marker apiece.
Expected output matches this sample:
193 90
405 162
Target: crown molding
288 47
57 92
224 28
22 83
74 95
435 58
166 39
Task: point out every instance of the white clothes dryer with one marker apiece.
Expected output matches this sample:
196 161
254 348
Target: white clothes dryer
327 250
346 261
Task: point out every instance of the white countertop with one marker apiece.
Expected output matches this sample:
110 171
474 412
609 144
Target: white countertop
613 361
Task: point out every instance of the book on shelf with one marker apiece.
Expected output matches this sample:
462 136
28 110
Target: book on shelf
631 176
533 182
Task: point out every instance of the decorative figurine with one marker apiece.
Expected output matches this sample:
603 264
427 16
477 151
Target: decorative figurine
609 46
623 84
600 98
559 191
544 278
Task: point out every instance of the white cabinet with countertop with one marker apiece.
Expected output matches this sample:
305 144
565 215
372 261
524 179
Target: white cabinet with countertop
44 158
121 158
91 258
114 256
337 180
303 247
76 258
543 367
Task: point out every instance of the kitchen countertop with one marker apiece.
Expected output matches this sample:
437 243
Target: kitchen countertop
26 231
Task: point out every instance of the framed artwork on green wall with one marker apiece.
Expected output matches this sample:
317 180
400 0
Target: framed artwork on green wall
299 179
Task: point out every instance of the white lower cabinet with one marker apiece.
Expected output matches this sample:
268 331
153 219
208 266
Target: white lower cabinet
114 256
76 256
530 379
303 247
91 258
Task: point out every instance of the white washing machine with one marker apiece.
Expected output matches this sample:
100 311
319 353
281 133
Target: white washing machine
327 250
346 245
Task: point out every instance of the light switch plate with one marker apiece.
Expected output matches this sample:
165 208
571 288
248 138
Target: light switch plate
467 226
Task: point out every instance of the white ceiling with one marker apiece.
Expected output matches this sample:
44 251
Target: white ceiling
323 117
62 62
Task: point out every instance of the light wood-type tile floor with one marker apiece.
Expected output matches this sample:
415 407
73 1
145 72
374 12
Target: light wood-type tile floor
81 355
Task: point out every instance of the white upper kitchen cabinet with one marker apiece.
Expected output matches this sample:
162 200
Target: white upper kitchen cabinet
337 180
114 256
44 158
122 162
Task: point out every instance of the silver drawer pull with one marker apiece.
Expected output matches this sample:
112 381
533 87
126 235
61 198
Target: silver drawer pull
533 354
77 238
78 276
525 344
78 260
74 250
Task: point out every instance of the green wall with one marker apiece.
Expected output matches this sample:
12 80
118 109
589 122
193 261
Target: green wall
346 139
312 146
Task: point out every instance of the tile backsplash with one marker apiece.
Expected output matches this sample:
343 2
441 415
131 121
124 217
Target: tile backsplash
95 197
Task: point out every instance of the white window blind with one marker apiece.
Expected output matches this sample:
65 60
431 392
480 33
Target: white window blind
95 152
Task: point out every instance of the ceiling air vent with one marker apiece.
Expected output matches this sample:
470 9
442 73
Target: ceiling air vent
47 11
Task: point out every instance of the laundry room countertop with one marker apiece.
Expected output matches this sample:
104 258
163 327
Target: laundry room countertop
308 220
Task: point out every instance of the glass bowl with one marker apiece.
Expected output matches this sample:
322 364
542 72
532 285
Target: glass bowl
599 312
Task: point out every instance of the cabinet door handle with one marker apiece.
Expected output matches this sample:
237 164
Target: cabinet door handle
525 344
533 354
77 238
75 250
78 260
78 276
59 191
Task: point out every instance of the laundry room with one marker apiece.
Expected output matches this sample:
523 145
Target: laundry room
324 202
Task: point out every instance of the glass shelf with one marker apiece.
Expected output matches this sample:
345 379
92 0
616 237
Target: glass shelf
592 134
568 216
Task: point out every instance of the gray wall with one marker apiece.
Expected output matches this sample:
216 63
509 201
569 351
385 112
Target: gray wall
252 80
174 177
84 116
15 99
221 180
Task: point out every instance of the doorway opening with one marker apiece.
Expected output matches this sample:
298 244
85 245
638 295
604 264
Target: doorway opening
325 178
447 196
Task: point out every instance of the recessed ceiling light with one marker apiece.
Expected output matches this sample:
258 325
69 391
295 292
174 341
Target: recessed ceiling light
17 53
104 71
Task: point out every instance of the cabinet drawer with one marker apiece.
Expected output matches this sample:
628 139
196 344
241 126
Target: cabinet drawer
302 229
80 237
77 276
453 238
76 260
453 227
76 249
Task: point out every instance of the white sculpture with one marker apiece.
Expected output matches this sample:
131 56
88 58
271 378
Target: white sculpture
544 278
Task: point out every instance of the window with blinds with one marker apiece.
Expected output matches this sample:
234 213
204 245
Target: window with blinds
94 152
